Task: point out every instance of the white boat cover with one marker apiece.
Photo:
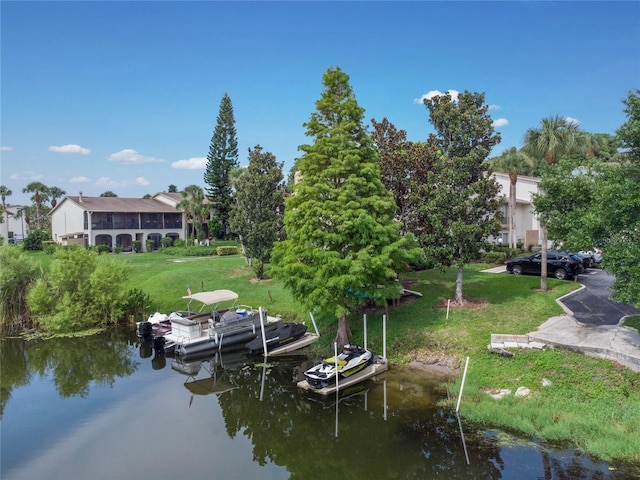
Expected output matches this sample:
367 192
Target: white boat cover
216 296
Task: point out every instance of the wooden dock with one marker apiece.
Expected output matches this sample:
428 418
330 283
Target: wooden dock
380 365
307 339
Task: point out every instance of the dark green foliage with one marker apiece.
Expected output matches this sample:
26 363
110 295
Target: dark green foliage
35 239
228 250
493 257
191 251
343 245
221 159
82 290
256 216
136 303
17 272
167 242
458 206
137 246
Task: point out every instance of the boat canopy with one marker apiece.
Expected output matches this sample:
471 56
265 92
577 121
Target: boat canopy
210 298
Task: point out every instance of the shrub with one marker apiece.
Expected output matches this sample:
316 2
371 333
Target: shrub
35 239
493 257
179 243
82 290
149 245
118 249
227 250
17 272
189 251
137 302
49 247
100 249
167 242
137 246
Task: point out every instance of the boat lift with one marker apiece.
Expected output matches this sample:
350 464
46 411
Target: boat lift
378 365
307 339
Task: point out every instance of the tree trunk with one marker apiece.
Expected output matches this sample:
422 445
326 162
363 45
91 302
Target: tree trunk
512 212
543 258
343 337
459 298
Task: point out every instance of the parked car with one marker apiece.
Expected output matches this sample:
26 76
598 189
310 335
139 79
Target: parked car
594 255
560 265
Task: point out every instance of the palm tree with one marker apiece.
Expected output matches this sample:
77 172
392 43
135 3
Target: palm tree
54 194
192 204
40 194
514 163
4 193
556 136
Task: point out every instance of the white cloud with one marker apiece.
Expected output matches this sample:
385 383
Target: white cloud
142 181
108 182
79 180
573 121
195 163
436 93
6 148
500 122
71 149
132 157
494 107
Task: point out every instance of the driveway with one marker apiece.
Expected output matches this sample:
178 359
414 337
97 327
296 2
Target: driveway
592 305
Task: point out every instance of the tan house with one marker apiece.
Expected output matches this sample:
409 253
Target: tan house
527 226
111 221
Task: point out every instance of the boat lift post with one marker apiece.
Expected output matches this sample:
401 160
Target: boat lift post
264 338
365 331
315 327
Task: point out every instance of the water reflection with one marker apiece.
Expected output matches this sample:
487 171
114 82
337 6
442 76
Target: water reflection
232 416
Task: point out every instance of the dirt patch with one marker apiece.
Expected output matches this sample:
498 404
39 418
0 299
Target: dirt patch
436 363
471 303
260 280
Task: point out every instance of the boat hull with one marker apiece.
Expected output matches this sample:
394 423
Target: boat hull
283 334
352 360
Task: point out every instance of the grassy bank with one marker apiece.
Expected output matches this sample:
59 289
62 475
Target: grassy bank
575 400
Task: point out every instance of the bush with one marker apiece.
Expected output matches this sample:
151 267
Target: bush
190 251
35 239
148 245
137 246
493 257
227 250
167 242
49 247
100 249
179 243
17 272
137 302
118 249
83 290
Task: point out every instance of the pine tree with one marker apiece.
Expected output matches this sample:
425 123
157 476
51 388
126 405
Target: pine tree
222 158
343 245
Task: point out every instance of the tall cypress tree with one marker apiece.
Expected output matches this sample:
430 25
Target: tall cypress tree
222 158
343 245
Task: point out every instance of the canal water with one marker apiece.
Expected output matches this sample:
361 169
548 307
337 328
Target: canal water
108 407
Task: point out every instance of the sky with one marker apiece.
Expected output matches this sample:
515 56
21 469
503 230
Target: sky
124 95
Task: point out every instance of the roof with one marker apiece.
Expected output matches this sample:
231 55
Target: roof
216 296
120 204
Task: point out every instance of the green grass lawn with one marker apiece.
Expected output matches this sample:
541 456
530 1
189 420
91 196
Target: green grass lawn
588 403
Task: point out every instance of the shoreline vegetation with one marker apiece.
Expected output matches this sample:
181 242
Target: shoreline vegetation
589 404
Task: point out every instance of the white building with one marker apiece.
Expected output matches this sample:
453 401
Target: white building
527 226
111 221
12 227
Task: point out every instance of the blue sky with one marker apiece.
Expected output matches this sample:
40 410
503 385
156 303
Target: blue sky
124 96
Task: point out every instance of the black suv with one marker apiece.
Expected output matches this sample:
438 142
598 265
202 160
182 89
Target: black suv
559 264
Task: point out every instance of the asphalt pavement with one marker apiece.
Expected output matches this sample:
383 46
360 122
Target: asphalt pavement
592 305
593 323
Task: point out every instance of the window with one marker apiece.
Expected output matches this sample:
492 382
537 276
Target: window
151 220
172 220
